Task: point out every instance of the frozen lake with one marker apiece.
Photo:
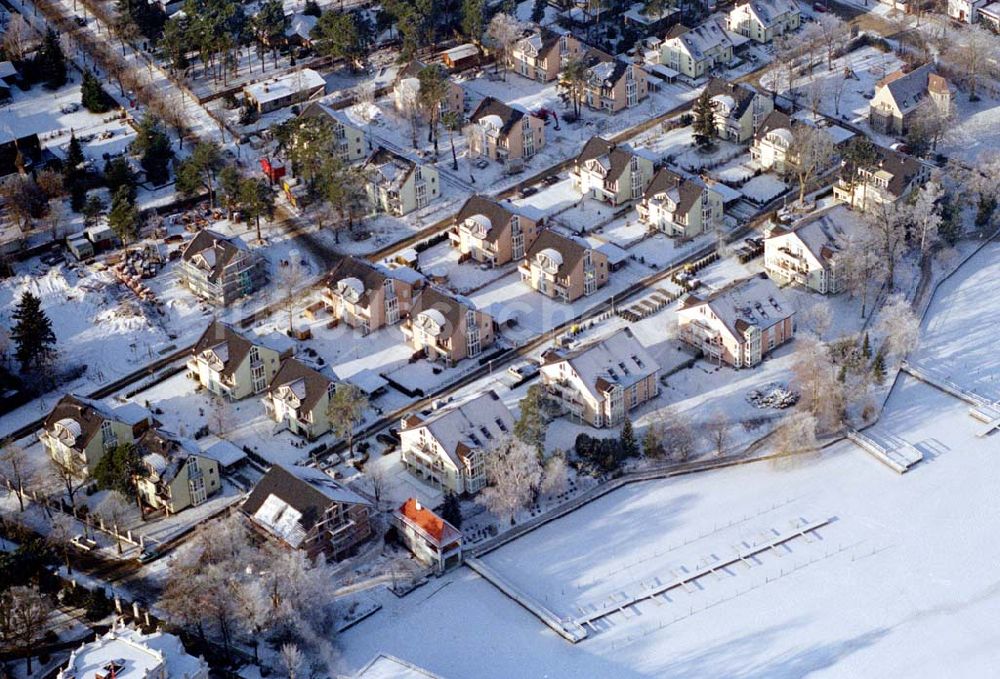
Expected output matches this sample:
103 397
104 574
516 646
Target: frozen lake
901 582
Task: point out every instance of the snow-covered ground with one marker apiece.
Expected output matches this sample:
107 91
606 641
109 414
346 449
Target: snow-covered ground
901 581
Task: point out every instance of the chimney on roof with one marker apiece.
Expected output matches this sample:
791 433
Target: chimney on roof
416 505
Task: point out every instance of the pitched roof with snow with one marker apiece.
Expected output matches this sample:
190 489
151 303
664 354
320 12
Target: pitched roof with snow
285 85
388 169
741 94
909 90
769 12
230 347
822 236
212 252
754 301
474 424
76 419
703 38
441 306
133 655
620 360
289 501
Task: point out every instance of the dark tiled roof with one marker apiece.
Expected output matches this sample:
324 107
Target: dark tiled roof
302 489
775 120
237 346
451 308
570 249
83 412
742 94
618 156
499 215
493 107
351 267
316 383
223 251
902 167
688 190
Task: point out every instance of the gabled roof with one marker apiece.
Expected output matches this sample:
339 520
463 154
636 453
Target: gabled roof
307 492
823 236
901 168
541 39
384 166
165 452
753 301
229 345
614 158
494 107
82 417
477 423
498 214
742 95
775 120
212 252
909 90
620 360
570 250
318 109
430 524
604 70
683 191
703 38
370 276
309 385
768 12
451 308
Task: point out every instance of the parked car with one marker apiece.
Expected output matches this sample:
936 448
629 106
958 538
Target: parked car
149 554
551 179
523 370
527 191
819 7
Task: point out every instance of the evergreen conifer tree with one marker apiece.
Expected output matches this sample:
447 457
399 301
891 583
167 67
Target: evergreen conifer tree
92 95
51 61
451 510
629 446
124 217
32 334
704 121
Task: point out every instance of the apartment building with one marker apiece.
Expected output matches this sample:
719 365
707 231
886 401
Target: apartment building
447 328
78 431
398 185
541 53
348 136
507 135
235 365
298 399
611 173
739 324
601 382
764 20
739 108
221 270
563 267
491 232
682 207
447 446
369 296
696 52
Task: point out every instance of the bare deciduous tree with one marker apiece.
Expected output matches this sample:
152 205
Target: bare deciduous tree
501 34
30 613
513 474
376 481
114 511
812 151
16 38
717 431
555 475
795 434
815 378
71 473
346 410
16 469
899 325
678 439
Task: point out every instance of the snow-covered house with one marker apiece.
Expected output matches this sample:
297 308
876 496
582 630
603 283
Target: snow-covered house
601 382
406 91
739 108
696 51
966 11
507 135
307 509
79 431
564 267
892 177
447 328
221 270
900 96
613 84
299 27
739 324
541 53
772 142
298 398
348 136
235 365
177 474
126 653
368 296
763 20
806 253
398 185
492 232
284 90
434 541
680 206
447 446
609 172
385 666
19 154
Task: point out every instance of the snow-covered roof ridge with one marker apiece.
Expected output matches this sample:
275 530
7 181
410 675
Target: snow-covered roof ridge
618 360
752 301
475 423
134 655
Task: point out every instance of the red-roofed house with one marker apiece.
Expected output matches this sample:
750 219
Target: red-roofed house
432 540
